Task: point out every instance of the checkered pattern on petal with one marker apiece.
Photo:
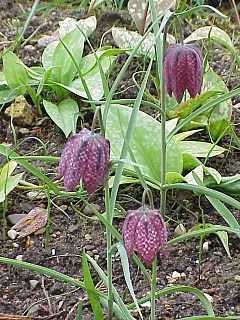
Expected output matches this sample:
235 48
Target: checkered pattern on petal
183 70
85 156
129 230
145 229
160 226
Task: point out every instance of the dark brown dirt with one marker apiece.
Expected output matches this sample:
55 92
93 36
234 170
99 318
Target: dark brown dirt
70 234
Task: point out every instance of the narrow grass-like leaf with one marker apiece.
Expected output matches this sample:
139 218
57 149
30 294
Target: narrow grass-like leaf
223 236
225 213
207 305
201 233
10 154
206 191
117 298
88 282
126 272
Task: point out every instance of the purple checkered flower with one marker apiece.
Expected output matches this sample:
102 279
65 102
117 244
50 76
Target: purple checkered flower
183 70
85 156
145 229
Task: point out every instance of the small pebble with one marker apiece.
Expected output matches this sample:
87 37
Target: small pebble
60 304
237 278
88 236
146 304
88 210
15 245
19 257
12 234
180 230
33 283
35 195
176 275
205 246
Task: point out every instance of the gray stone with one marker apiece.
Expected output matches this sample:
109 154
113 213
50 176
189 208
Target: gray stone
15 217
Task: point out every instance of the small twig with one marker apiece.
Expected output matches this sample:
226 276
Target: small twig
235 10
47 297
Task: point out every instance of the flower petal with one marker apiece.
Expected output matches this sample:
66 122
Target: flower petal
147 240
129 229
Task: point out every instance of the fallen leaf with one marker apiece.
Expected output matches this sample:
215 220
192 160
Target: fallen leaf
35 220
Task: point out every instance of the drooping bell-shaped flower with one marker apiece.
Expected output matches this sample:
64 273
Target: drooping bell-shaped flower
145 230
85 156
183 70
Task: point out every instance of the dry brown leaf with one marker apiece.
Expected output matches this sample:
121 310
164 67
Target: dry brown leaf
35 220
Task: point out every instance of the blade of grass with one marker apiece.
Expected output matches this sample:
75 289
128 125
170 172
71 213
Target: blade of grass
206 191
207 305
10 154
91 291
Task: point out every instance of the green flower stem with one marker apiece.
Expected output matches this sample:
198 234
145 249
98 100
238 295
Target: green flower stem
109 253
153 289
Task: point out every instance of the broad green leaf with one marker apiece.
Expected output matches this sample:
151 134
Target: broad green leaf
190 161
87 25
200 149
8 182
183 135
64 67
214 173
128 40
221 114
185 108
93 80
190 178
223 236
47 55
140 12
171 124
174 177
91 291
127 276
229 185
213 33
3 81
89 62
145 143
7 95
63 114
15 73
198 122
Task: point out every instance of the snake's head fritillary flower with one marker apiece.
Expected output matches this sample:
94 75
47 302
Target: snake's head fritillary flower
145 230
85 156
183 70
